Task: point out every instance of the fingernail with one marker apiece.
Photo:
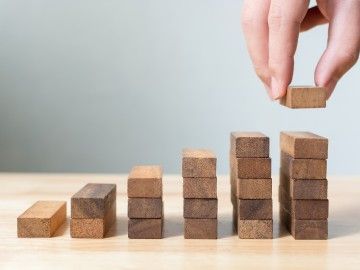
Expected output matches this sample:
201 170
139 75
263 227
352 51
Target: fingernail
275 88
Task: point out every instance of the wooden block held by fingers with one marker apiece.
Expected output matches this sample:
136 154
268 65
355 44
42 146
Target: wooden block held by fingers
145 208
93 201
145 228
200 228
255 209
42 219
251 167
197 188
198 163
255 229
145 182
304 145
298 97
249 144
200 208
254 188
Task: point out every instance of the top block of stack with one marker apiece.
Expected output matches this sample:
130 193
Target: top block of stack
249 144
198 163
298 97
304 145
145 182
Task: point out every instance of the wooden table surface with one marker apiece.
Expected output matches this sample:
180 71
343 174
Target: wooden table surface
19 191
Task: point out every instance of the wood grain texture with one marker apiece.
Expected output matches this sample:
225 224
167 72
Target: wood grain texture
145 207
200 188
251 167
255 229
298 97
249 144
42 219
255 209
196 228
253 188
198 163
145 182
145 228
200 208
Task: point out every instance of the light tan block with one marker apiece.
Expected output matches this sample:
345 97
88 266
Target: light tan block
145 182
249 144
198 163
255 229
298 97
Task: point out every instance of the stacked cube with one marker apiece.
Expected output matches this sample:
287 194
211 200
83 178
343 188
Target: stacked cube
304 206
93 211
251 185
200 194
145 203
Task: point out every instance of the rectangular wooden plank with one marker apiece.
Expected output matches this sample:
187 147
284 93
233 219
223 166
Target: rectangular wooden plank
253 188
198 163
251 167
145 182
42 219
145 228
145 208
304 145
255 209
200 228
200 208
249 144
255 229
93 201
199 188
298 97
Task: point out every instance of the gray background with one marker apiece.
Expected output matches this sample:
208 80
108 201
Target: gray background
98 86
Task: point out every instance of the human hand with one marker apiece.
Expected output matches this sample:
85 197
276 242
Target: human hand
272 28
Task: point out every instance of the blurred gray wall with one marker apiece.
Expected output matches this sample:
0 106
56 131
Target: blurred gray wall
98 86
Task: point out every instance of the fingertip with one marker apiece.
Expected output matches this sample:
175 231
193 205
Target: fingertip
278 88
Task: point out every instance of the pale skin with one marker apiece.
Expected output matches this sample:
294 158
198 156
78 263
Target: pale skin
272 28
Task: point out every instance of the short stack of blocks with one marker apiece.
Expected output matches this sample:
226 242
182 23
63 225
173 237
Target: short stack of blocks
304 207
93 211
251 185
145 203
200 194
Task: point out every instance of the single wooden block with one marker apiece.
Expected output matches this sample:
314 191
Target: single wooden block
200 208
93 227
93 201
199 188
198 163
255 209
254 188
298 97
297 168
249 144
42 219
196 228
251 167
304 145
145 208
255 229
145 228
145 182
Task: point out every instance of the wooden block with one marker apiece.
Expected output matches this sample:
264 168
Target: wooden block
93 227
304 145
254 188
249 144
195 228
303 168
145 208
198 163
145 182
145 228
93 201
255 209
251 167
309 229
255 229
42 219
298 97
200 208
199 188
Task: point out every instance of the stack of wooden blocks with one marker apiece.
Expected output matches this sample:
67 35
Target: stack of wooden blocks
251 185
304 206
200 194
145 203
93 211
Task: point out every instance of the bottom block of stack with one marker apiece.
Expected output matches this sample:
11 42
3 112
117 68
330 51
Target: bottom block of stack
255 229
145 228
199 228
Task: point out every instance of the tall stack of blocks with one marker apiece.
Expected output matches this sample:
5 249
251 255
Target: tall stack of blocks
304 207
200 194
251 185
145 203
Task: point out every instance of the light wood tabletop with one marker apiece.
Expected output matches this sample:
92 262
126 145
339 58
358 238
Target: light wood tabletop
20 191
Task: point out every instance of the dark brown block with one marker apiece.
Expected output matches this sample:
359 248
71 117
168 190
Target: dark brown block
251 167
199 188
93 201
200 208
145 228
200 228
298 97
255 209
249 144
303 168
198 163
254 188
255 229
42 219
304 145
145 208
145 182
